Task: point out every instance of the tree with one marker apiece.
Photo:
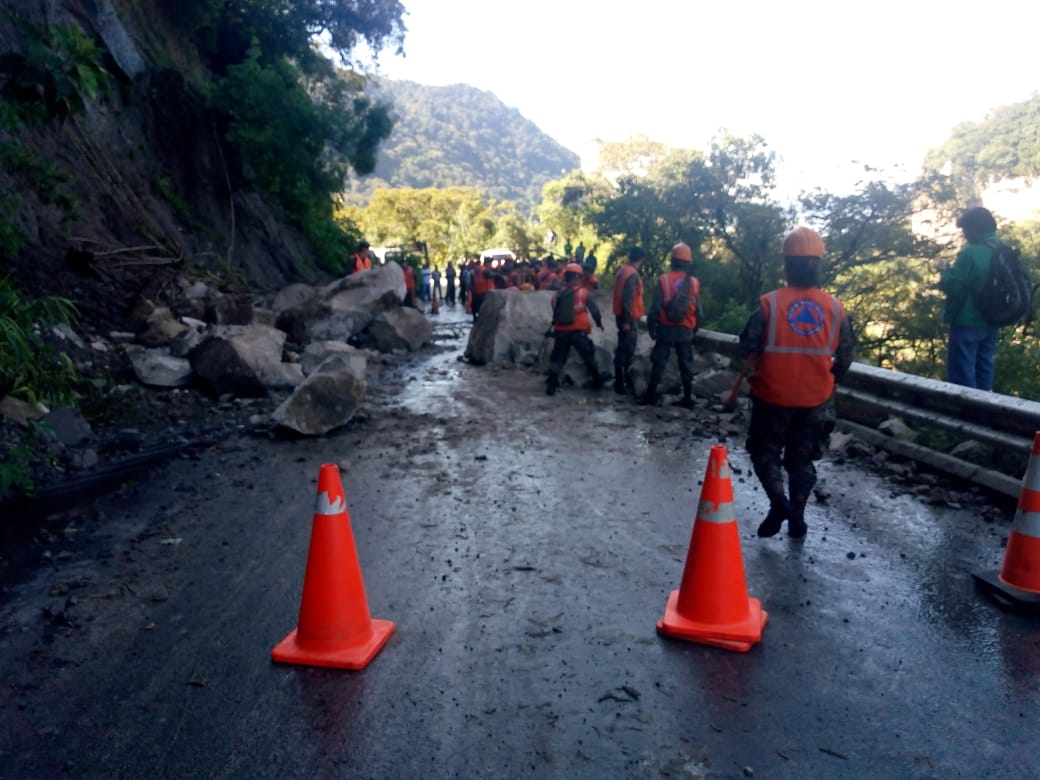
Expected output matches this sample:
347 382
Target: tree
226 29
451 222
1005 144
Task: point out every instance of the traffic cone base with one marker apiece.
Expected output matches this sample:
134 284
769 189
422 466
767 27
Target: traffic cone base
1018 582
712 605
733 636
294 650
1006 593
335 628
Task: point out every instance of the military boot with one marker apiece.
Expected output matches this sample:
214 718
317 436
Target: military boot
779 510
619 380
796 525
650 396
551 384
687 396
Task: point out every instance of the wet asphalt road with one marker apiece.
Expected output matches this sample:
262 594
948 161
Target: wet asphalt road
525 548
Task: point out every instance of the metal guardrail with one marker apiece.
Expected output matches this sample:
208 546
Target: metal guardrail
868 395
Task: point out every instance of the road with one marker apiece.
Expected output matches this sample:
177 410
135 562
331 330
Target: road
525 548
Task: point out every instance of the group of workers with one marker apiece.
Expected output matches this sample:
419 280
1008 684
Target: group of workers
799 339
799 342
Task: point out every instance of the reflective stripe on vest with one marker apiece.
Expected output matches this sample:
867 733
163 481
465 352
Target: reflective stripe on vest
803 328
581 315
669 286
774 322
624 274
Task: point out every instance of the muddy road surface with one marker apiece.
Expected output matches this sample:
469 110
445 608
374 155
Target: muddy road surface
525 548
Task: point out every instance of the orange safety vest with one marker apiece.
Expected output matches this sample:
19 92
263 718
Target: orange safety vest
669 287
362 262
621 278
581 311
803 326
483 282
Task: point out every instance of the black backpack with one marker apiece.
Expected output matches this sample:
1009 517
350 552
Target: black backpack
563 313
1006 296
680 303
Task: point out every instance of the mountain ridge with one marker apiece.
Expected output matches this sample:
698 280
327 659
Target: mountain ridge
460 135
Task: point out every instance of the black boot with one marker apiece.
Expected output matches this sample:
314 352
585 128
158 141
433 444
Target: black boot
796 525
551 385
687 396
619 380
778 512
650 396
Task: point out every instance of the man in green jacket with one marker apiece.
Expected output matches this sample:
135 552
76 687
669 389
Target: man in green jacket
972 341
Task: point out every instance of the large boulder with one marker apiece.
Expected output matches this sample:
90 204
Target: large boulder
326 399
510 328
400 328
243 360
158 368
344 308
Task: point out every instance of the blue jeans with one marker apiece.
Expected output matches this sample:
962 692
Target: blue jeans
969 356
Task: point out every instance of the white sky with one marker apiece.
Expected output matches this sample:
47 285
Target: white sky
829 85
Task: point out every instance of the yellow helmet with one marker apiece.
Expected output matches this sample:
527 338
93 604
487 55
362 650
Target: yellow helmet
802 242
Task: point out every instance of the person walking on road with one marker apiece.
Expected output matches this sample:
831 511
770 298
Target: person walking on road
628 310
802 343
449 274
672 323
572 308
972 341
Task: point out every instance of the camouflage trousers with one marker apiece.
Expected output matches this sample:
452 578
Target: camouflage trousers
791 438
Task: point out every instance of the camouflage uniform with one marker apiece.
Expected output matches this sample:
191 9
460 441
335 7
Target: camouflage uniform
790 437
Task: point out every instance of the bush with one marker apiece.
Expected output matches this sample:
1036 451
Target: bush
29 368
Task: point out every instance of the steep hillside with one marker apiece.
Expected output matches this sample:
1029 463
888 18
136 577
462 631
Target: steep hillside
462 136
113 201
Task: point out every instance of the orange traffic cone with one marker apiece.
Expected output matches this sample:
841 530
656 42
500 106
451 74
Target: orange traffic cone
712 605
1018 583
335 627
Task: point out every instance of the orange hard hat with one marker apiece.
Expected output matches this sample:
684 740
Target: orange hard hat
802 242
573 268
682 252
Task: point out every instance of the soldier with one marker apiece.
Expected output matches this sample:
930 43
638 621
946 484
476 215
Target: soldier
628 310
572 307
802 343
672 323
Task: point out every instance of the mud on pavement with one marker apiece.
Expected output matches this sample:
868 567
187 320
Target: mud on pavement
525 548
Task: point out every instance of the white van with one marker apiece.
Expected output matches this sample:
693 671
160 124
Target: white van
497 254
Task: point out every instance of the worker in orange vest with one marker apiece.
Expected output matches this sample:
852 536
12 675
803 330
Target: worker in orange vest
628 310
572 307
802 343
483 282
360 260
672 324
409 284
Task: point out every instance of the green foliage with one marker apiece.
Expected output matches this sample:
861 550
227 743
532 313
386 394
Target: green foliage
59 73
29 367
1003 145
297 139
459 136
452 221
11 238
14 469
226 29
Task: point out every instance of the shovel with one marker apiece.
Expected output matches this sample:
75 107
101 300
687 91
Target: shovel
731 402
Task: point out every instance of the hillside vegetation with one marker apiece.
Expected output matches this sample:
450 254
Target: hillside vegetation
461 136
